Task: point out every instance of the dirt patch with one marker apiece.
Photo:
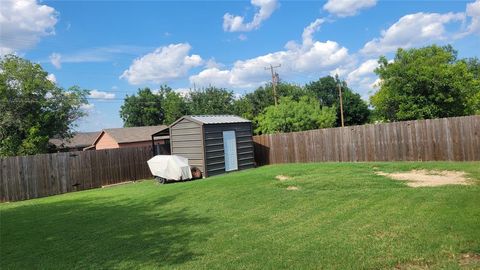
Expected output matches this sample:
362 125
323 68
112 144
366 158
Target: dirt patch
469 259
465 261
427 178
283 177
412 266
292 188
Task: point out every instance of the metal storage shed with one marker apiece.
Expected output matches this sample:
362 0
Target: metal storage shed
214 143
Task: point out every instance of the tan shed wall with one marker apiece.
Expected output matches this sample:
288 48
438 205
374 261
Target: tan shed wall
186 140
106 142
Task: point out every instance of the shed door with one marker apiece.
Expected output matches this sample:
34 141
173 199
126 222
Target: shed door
230 150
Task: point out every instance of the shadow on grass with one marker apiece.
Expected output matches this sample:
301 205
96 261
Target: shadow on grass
99 233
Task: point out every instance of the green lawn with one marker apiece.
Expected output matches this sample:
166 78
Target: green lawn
342 217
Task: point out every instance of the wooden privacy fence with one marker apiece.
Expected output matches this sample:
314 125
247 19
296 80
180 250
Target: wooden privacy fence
28 177
454 139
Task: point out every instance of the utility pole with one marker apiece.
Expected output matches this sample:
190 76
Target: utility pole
341 101
274 81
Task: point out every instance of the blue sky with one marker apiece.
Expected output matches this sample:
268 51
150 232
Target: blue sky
115 47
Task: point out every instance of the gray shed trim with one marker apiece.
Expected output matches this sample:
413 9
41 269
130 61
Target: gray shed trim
218 119
213 119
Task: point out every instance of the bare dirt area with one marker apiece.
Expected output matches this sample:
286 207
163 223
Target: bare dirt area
465 261
292 188
283 177
412 266
470 260
429 178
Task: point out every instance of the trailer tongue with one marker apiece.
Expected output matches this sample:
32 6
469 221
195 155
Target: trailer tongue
169 167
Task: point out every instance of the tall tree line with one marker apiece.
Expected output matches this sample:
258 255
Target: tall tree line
315 105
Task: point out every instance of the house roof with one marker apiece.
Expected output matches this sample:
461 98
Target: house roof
133 134
79 140
216 119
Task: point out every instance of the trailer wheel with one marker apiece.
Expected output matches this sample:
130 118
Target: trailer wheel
196 173
161 180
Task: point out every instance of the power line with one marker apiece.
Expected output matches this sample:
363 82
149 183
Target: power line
275 79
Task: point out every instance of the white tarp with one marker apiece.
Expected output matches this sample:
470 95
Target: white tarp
170 167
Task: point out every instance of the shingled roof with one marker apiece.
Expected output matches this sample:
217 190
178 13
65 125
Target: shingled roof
133 134
79 140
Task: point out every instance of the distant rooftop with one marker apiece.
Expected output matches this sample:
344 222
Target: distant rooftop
217 119
134 134
79 140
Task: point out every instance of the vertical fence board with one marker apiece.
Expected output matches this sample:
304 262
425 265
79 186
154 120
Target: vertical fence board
3 182
476 134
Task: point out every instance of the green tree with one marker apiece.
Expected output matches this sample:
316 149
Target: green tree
174 105
210 100
425 83
262 97
473 103
34 109
473 66
142 109
355 109
291 115
243 107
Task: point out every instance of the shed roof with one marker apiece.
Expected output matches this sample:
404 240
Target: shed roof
79 140
217 119
133 134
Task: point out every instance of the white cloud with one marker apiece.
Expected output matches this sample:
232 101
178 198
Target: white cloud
307 35
232 23
164 64
346 8
95 94
376 84
51 77
87 107
212 76
56 60
473 11
365 69
340 71
212 63
363 78
413 30
23 23
183 92
308 58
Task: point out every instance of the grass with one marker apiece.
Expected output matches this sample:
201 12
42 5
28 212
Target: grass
342 217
